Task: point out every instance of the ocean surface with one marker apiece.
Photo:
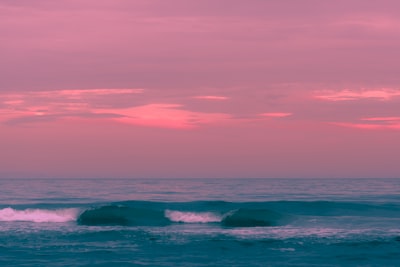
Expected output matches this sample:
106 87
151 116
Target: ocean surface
201 222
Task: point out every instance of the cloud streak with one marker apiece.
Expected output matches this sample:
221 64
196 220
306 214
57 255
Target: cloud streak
350 95
373 123
44 106
211 97
166 116
276 114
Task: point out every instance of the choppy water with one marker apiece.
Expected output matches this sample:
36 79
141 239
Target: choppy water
203 222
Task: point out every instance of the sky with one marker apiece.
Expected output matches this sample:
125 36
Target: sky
199 89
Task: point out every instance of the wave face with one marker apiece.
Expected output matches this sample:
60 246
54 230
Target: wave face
252 218
122 215
38 215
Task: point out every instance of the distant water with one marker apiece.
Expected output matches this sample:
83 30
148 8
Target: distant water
202 222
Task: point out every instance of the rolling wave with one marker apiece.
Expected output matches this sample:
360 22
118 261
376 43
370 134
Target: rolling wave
226 214
128 216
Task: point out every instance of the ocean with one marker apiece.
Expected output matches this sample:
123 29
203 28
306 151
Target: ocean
200 222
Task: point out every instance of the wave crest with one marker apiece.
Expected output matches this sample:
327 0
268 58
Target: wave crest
192 217
38 215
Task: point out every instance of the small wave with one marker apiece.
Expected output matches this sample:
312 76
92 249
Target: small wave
38 215
192 217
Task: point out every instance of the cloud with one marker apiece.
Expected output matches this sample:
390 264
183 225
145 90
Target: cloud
166 116
375 23
100 91
373 123
276 114
348 95
382 119
211 97
57 104
80 93
62 95
43 106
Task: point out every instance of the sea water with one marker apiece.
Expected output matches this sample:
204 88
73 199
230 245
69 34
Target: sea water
200 222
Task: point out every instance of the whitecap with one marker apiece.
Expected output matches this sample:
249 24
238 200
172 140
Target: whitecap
38 215
192 217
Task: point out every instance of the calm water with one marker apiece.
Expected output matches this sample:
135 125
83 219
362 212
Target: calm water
203 222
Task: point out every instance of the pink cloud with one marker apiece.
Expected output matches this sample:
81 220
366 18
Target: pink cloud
57 104
62 95
212 97
166 116
346 95
36 106
373 123
366 126
383 119
371 22
276 114
100 91
15 102
358 125
80 93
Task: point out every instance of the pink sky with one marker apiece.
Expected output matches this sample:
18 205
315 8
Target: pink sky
211 88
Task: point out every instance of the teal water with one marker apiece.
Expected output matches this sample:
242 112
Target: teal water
202 222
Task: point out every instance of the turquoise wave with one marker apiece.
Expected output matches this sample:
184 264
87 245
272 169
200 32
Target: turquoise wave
130 216
227 214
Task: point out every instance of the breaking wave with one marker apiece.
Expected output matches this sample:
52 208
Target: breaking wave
38 215
129 216
192 217
226 214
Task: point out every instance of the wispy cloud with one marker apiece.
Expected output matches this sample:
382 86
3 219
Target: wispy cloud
16 99
211 97
83 92
347 95
373 123
56 104
382 119
166 116
276 114
376 23
43 106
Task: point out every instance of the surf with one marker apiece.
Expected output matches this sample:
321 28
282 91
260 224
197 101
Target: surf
225 214
192 217
39 215
132 216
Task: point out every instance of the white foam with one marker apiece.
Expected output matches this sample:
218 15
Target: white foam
192 217
38 215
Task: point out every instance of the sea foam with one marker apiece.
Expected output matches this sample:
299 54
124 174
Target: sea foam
192 217
38 215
